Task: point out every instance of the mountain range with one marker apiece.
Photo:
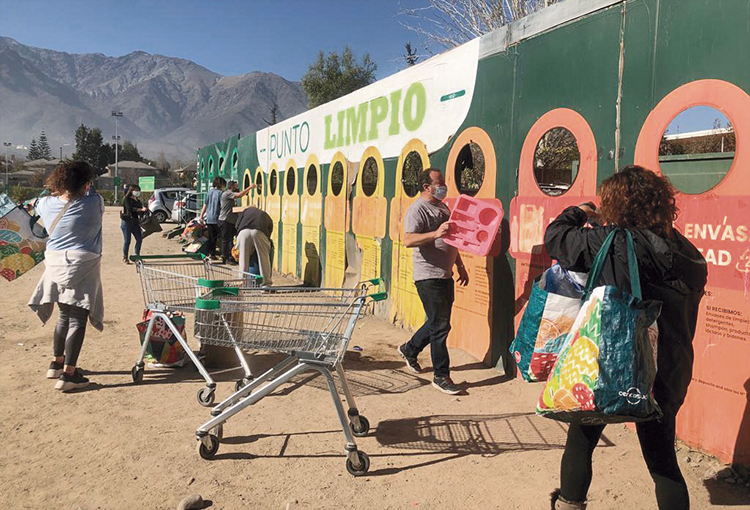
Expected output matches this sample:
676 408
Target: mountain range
169 105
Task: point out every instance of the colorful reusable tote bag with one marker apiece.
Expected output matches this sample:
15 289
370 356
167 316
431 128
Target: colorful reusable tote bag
163 347
22 240
606 368
552 308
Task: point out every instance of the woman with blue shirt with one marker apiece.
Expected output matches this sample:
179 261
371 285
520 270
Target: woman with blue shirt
131 224
72 277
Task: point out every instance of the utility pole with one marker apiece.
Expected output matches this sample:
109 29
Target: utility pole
116 115
6 145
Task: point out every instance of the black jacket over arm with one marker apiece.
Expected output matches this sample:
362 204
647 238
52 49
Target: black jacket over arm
672 271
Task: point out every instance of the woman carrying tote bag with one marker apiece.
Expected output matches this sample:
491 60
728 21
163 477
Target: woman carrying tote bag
672 271
73 214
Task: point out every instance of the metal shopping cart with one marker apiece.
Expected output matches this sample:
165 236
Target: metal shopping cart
171 284
312 326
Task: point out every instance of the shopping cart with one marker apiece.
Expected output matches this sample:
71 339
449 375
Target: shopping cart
311 326
171 284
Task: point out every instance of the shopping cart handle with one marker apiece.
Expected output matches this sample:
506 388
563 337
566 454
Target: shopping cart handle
379 296
207 304
193 256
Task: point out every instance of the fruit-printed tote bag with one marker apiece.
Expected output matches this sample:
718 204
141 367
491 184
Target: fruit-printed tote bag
606 368
22 239
550 313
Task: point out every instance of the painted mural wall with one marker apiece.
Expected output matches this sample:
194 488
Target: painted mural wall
613 74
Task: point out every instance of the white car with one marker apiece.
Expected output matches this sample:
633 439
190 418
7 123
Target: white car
161 202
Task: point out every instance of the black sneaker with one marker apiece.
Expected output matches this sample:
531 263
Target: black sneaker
412 363
445 384
72 382
55 370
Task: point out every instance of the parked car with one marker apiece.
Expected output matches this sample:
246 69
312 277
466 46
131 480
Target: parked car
185 207
161 202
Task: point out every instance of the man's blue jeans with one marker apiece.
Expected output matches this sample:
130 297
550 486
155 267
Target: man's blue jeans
437 298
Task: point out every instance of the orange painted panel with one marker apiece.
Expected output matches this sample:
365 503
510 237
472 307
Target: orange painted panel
472 310
716 414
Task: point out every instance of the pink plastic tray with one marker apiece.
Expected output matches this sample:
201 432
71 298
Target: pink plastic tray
474 225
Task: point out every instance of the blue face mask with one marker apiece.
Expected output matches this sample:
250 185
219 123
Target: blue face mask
439 192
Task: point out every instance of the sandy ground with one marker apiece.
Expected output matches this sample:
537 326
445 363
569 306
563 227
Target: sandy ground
117 445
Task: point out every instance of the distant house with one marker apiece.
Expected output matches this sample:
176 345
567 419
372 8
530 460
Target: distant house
34 173
130 171
26 178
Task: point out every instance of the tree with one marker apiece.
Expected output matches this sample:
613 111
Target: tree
33 151
331 76
44 150
450 23
129 152
274 111
411 55
90 147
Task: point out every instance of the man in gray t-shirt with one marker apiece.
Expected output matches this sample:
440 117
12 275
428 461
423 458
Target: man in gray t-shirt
425 224
227 218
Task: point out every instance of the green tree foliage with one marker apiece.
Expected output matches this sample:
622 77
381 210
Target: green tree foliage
33 151
332 76
129 152
44 150
90 147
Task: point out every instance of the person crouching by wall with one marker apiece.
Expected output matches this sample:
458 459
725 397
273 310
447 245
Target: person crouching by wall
130 223
73 217
228 218
254 229
210 214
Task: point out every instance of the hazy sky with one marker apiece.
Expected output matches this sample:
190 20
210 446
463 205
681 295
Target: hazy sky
229 37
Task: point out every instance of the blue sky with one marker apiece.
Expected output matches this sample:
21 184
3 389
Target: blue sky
229 37
233 37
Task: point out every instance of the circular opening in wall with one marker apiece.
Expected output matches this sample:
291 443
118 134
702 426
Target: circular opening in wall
370 176
697 149
272 181
556 161
312 179
469 169
410 173
337 178
290 181
259 183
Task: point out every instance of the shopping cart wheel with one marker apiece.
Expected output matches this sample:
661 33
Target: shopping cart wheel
206 396
137 374
363 429
363 468
242 383
208 452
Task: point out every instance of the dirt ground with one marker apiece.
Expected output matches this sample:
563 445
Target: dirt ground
116 445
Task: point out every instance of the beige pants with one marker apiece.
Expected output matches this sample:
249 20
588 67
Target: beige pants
249 241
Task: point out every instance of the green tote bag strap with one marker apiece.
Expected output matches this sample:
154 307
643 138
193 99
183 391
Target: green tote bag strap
598 264
635 277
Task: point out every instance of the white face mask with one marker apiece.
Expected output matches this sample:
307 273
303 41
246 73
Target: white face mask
136 194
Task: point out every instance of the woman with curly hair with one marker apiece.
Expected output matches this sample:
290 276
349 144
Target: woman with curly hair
73 218
672 271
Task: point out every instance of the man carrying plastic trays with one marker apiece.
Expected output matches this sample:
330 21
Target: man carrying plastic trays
425 224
